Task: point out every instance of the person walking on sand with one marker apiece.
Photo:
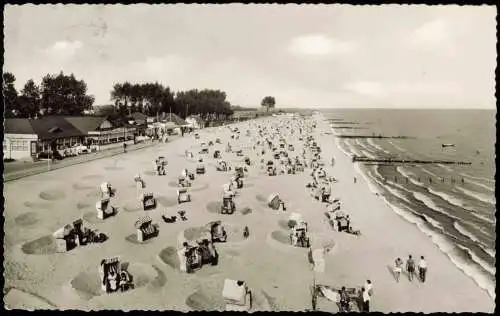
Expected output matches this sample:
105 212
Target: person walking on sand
422 269
410 267
366 300
369 287
397 268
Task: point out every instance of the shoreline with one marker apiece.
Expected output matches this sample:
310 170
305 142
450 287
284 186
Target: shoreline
371 186
442 241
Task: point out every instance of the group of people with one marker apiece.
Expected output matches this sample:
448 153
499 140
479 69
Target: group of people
410 268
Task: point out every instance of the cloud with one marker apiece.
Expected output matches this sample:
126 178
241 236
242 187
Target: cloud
319 45
64 49
431 33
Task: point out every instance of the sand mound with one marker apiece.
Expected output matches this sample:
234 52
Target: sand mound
283 224
261 198
173 184
246 211
150 173
113 168
214 207
38 205
18 299
195 233
169 257
166 202
281 237
52 195
207 298
132 238
93 177
95 193
27 219
199 187
88 284
133 207
91 217
144 274
82 205
42 246
79 186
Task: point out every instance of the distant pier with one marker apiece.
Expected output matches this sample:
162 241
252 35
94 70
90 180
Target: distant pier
374 136
407 161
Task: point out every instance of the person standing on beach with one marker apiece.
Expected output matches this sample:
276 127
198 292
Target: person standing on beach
369 287
410 267
422 269
397 268
366 300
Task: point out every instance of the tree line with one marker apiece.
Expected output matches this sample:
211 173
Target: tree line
60 94
56 95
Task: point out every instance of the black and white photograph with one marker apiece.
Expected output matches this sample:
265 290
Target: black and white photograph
249 157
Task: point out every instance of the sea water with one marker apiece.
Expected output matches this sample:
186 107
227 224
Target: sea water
452 204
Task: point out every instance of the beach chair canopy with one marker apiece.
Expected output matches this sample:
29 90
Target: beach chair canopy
273 198
143 221
62 232
295 217
340 214
111 261
182 190
234 292
105 186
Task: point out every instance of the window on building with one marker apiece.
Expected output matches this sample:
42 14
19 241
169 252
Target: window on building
19 145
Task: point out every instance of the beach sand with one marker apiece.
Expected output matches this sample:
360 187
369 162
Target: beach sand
279 275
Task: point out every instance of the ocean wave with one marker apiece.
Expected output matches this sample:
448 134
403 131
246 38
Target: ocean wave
489 251
352 148
466 233
447 168
372 143
410 176
430 173
397 147
459 203
427 201
477 195
478 178
343 148
482 185
483 264
445 245
398 193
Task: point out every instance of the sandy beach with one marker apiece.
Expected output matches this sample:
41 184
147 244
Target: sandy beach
279 275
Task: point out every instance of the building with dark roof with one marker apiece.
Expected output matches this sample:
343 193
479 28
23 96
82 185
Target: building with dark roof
24 138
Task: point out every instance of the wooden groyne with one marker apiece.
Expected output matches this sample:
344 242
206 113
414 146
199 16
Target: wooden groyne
407 161
375 136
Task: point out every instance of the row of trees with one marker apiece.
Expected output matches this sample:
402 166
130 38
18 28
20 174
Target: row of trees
57 94
153 98
65 95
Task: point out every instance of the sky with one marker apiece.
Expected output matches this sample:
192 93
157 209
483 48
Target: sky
323 56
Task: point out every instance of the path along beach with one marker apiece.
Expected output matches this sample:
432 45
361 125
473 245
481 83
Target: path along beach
279 274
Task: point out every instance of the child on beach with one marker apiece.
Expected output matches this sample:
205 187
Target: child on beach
410 267
397 268
422 269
